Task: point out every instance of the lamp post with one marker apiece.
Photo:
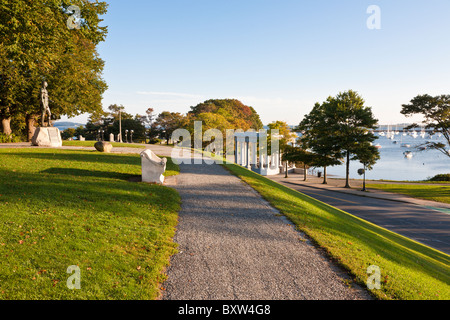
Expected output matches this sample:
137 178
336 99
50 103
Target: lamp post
363 173
286 173
120 125
126 136
98 136
131 136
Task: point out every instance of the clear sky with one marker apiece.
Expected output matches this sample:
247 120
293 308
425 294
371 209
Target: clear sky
279 57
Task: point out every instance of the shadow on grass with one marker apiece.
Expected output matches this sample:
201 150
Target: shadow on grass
82 156
87 173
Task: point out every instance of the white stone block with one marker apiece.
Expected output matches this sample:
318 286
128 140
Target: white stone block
47 137
153 167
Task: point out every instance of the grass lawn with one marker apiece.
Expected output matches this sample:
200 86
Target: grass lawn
409 270
61 208
440 193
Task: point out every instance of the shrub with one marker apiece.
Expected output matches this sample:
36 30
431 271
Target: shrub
12 138
441 177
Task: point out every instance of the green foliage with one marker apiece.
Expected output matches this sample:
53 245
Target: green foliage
441 177
101 125
340 127
166 123
436 113
12 138
286 136
37 45
68 133
230 112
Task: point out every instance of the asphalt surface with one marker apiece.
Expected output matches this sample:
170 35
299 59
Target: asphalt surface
430 226
234 245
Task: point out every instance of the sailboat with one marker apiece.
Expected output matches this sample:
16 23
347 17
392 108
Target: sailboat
408 154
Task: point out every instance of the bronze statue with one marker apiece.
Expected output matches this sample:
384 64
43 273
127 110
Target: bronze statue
45 107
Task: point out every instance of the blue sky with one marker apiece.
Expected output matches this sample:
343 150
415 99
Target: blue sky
278 56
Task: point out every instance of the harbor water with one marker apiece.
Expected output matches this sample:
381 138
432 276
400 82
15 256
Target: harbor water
393 165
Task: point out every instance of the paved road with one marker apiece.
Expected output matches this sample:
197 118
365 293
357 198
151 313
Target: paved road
234 245
428 226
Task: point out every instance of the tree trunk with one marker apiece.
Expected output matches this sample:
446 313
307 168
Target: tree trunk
31 125
347 171
6 126
305 172
325 175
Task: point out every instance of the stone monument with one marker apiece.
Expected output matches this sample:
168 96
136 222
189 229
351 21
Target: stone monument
46 136
153 167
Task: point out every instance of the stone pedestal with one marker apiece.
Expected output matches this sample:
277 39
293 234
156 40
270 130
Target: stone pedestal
47 137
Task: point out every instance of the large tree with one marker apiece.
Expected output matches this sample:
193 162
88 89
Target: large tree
36 45
237 114
351 123
340 128
317 136
436 114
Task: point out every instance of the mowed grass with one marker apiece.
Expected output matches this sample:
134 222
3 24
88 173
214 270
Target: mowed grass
409 270
60 208
434 192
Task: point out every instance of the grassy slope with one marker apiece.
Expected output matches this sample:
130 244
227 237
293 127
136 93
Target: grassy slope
62 208
409 270
440 193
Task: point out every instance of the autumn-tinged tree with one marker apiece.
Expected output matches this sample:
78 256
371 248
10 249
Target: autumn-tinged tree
237 114
286 135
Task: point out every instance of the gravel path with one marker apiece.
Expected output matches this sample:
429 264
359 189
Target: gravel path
233 245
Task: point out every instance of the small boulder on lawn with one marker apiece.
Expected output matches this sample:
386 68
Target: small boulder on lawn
103 146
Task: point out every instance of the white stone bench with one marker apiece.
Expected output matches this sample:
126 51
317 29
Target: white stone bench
153 167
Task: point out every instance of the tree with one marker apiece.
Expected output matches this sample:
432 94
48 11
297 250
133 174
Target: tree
315 135
237 114
436 113
68 133
368 156
340 128
351 123
166 123
37 45
286 135
297 154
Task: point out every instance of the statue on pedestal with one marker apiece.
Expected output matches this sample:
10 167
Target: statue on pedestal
46 136
45 107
